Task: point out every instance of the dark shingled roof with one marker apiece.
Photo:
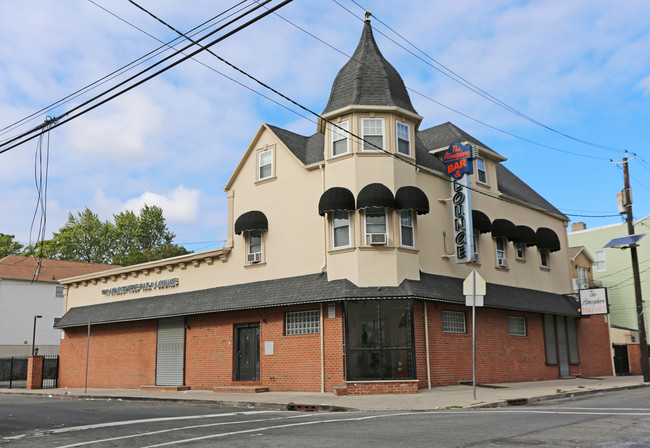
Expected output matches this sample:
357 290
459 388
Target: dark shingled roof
313 288
308 149
513 186
368 79
445 134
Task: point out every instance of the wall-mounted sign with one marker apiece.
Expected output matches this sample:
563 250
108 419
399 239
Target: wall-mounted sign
458 160
593 301
137 287
462 220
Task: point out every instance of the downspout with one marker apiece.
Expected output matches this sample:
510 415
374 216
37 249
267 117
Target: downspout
426 344
324 265
322 351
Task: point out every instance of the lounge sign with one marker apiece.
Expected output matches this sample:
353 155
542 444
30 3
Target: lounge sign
137 287
593 301
457 158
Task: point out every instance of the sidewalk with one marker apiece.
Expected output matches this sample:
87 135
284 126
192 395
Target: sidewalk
449 397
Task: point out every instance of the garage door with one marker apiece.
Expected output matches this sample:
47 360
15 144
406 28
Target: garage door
170 359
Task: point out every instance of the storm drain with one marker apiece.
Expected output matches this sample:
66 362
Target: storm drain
517 401
303 407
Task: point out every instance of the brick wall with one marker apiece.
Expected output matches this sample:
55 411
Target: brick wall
595 348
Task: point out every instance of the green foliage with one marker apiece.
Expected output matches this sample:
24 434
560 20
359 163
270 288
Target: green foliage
8 246
130 240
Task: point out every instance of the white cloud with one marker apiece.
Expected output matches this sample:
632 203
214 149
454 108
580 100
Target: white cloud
644 85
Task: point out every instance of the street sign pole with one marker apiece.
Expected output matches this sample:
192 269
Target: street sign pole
474 332
474 289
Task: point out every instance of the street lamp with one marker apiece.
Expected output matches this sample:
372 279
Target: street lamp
34 334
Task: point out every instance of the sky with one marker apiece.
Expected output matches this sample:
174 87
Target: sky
579 70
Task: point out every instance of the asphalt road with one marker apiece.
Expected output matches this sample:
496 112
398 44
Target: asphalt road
608 420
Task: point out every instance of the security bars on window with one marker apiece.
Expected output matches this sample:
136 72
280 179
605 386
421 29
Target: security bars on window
453 322
517 326
302 322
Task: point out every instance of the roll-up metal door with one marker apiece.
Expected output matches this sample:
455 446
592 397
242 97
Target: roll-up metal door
549 337
562 346
170 358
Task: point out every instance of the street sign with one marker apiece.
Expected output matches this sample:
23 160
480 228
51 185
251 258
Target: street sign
468 284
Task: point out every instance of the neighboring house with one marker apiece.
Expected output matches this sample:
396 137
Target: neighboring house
28 288
613 270
343 269
580 268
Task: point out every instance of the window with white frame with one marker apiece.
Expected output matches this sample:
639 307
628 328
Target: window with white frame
481 174
376 223
453 322
372 132
583 282
59 291
501 248
302 322
475 255
516 326
543 258
340 228
407 236
601 266
339 138
265 164
254 246
521 251
403 138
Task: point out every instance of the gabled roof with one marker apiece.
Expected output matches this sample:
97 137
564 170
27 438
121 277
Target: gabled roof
445 134
511 185
308 150
312 288
368 79
577 250
24 268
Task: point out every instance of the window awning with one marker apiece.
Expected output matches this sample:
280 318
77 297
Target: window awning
481 222
547 239
502 228
412 198
375 195
525 235
253 220
334 199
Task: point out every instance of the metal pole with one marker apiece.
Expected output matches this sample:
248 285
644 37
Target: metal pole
34 333
87 353
474 333
637 280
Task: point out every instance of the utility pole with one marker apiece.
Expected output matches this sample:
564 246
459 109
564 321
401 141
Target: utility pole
627 194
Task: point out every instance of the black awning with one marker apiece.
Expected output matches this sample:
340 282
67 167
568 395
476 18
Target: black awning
481 222
525 235
375 195
253 220
336 198
412 198
547 239
502 228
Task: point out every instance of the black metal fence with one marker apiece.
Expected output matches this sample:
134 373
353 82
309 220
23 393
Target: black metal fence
13 372
50 371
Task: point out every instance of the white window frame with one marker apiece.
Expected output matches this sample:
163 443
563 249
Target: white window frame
453 322
270 163
475 252
365 222
583 280
501 253
517 326
520 247
364 134
334 227
601 264
481 171
403 227
302 322
249 240
338 135
544 260
407 140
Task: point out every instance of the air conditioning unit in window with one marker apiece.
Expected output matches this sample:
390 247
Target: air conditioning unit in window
502 262
377 239
255 257
475 258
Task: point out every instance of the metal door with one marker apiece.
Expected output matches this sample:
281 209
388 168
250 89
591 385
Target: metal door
562 346
247 352
170 359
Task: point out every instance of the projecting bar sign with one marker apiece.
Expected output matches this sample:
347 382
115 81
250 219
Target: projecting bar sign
593 301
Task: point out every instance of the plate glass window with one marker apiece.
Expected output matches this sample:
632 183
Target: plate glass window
341 228
265 164
453 322
302 322
601 266
406 225
516 326
403 138
339 138
481 174
373 134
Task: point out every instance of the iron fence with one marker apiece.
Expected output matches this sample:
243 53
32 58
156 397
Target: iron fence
13 372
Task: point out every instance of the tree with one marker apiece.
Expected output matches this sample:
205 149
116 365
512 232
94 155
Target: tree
8 245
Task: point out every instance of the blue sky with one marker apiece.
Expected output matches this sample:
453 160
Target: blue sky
581 68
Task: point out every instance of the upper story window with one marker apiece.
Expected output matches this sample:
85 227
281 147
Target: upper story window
521 251
543 258
583 282
403 138
502 261
372 132
475 255
340 138
601 266
254 252
265 164
481 173
407 238
376 225
340 229
59 291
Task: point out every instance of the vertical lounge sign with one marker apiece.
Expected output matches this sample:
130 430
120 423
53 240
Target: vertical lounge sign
458 160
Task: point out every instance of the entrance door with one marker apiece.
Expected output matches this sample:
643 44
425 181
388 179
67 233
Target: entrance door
621 361
247 352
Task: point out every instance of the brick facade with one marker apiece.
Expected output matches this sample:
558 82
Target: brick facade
124 354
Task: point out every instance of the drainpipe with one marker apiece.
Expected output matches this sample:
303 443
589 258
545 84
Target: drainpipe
426 344
322 351
324 265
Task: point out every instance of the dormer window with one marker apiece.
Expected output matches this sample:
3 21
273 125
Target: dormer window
340 138
372 134
403 139
481 174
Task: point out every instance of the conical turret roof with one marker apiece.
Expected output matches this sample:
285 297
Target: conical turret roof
368 79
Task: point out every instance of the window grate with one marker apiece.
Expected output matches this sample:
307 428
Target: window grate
453 322
302 322
516 326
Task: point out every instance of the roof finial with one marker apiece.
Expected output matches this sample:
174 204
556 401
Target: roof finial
368 14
